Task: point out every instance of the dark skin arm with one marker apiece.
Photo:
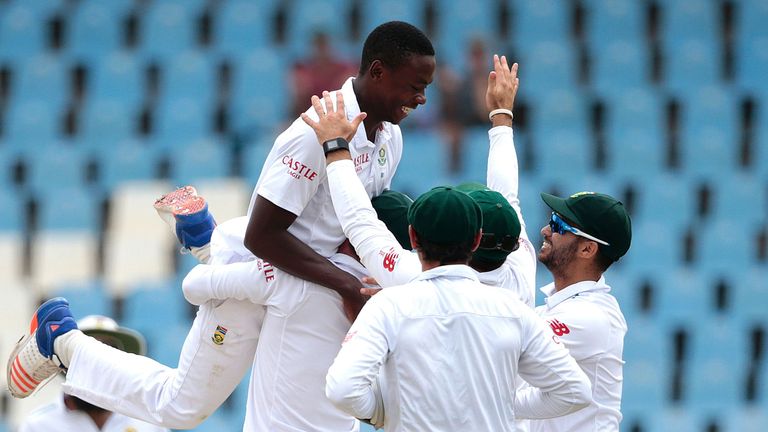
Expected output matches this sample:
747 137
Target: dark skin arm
268 238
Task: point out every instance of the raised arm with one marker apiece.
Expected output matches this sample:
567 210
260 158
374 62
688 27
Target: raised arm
379 251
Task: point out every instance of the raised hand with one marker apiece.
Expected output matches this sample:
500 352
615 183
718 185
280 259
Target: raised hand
332 122
502 85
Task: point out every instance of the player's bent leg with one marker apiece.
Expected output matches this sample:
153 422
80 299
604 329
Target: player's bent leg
216 355
187 214
33 361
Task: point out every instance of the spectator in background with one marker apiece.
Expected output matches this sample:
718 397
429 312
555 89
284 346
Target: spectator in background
74 414
463 99
322 71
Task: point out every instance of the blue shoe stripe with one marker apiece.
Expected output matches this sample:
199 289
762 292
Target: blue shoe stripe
54 312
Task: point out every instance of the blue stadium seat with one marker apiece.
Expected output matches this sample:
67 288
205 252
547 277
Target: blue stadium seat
620 64
725 245
475 147
716 368
179 121
749 295
95 29
309 16
550 64
22 32
87 299
375 13
105 122
119 76
689 18
189 74
690 63
32 122
151 307
423 164
168 28
242 26
683 296
42 78
655 245
740 198
748 418
535 212
539 21
457 27
635 154
12 214
56 165
668 198
201 159
254 154
128 160
678 418
259 90
609 20
647 372
636 108
563 153
751 61
68 208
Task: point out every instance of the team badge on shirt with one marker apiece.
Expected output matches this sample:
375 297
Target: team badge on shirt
558 328
382 159
219 334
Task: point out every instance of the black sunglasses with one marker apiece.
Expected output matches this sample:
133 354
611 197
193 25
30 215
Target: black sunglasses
489 241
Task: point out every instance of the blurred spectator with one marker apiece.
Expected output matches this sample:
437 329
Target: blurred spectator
463 99
324 70
73 414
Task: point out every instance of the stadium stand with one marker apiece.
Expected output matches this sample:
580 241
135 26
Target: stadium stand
105 105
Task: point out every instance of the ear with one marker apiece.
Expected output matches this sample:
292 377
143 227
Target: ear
588 249
476 241
376 70
413 237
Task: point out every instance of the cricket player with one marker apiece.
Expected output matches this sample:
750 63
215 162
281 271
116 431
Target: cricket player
587 232
73 414
451 347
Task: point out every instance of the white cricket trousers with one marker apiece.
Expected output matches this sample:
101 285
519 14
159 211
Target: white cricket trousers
180 398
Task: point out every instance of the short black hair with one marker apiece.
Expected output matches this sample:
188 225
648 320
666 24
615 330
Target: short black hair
445 254
392 43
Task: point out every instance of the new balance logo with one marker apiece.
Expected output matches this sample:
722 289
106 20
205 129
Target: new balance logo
390 260
559 328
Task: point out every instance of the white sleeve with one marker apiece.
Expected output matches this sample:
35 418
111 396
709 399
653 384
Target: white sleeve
559 386
295 170
377 247
254 281
503 176
349 383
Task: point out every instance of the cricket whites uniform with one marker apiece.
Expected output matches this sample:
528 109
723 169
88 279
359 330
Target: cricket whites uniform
57 417
294 174
445 330
392 265
303 330
587 320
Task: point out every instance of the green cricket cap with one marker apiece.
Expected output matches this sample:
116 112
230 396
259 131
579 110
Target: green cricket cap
392 209
598 215
499 219
445 215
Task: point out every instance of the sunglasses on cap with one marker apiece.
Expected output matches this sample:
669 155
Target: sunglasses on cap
558 225
489 241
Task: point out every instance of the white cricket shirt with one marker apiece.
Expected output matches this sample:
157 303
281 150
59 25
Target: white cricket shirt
294 176
56 417
300 336
391 265
587 320
451 350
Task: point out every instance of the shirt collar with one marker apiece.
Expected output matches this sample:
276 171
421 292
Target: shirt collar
352 107
449 271
555 298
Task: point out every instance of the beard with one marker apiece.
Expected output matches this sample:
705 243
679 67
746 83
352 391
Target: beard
558 259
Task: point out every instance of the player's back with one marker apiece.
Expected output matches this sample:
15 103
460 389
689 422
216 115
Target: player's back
461 337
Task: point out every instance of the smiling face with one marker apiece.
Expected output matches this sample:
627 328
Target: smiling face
557 251
400 89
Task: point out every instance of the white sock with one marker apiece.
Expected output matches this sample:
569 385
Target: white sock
64 345
202 253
